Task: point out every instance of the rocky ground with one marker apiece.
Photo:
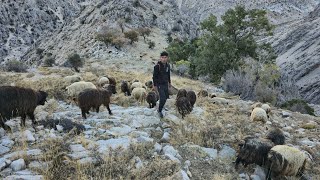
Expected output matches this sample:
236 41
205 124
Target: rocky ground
134 142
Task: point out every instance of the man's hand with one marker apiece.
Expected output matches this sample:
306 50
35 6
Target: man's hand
155 88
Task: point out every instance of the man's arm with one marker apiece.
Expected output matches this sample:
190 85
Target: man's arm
155 77
169 78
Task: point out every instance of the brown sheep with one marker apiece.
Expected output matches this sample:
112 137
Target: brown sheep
111 88
93 98
191 95
19 101
255 150
125 88
181 93
112 81
152 98
203 93
183 105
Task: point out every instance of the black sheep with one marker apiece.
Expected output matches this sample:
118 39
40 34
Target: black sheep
93 98
183 105
125 88
191 95
67 125
19 101
181 93
255 150
152 98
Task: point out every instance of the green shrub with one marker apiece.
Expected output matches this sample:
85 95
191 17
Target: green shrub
132 35
107 35
49 61
75 61
151 44
298 105
182 67
15 66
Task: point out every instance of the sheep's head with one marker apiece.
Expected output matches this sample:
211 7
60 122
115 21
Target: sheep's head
111 88
42 97
181 93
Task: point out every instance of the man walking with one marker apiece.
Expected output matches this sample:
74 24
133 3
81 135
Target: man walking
161 80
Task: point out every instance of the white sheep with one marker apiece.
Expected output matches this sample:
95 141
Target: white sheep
255 105
259 114
139 94
136 85
102 81
75 88
72 79
220 101
286 161
266 107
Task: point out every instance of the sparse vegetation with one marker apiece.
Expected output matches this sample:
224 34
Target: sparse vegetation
15 66
132 35
49 61
298 105
75 61
151 44
144 32
107 35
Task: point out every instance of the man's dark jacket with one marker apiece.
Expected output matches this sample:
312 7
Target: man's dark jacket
161 74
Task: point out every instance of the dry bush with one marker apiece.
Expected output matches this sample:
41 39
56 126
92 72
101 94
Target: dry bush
239 83
265 94
118 42
55 87
107 35
15 66
132 35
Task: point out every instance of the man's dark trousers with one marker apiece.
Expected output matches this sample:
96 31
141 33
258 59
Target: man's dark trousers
163 94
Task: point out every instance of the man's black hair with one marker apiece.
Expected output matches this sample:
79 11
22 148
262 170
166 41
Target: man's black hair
164 53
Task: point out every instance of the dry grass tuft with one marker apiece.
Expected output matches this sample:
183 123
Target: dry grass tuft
55 87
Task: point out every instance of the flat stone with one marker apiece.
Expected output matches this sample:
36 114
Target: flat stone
285 114
213 153
18 165
6 141
157 147
4 149
87 160
227 152
2 132
168 149
104 145
28 136
36 165
77 148
25 177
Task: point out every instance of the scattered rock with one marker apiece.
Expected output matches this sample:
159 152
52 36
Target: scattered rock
18 165
165 138
28 136
227 152
2 132
157 147
6 141
286 114
4 149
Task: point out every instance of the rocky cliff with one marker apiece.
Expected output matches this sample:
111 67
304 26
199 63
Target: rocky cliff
298 47
61 27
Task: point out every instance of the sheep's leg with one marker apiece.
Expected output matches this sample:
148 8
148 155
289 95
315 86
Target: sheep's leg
109 109
97 109
83 112
31 115
5 127
23 120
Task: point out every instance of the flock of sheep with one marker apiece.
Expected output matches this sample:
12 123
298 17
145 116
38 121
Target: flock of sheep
269 152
